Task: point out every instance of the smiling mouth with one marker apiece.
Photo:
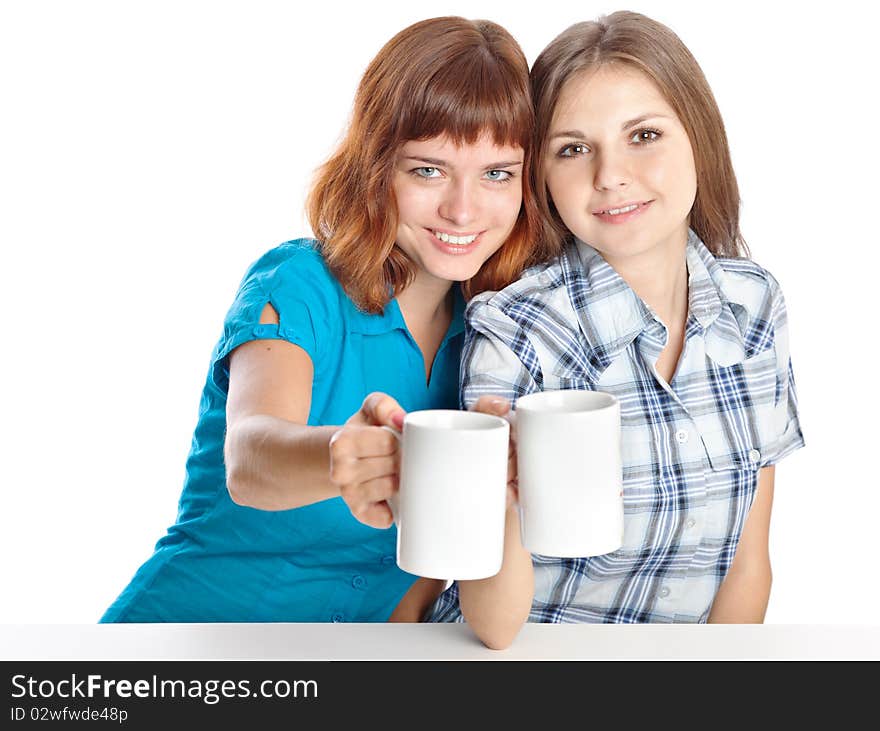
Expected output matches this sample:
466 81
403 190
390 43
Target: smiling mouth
618 211
459 240
622 210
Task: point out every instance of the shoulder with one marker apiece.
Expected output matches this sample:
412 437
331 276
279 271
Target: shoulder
756 301
295 280
310 305
746 271
295 274
535 289
748 284
290 263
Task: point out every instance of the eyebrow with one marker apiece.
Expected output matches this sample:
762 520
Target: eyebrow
641 118
444 163
626 125
567 133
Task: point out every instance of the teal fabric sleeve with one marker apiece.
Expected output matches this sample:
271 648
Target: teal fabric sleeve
295 281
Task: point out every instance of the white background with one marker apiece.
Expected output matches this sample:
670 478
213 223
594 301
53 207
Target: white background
149 151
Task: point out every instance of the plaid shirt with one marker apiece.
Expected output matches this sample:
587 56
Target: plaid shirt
691 449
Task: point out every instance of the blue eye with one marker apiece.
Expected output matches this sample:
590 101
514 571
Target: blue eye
645 136
574 150
499 176
426 172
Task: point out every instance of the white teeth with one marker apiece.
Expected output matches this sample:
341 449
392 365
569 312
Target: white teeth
454 239
625 209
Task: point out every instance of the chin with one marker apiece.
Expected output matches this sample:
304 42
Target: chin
454 273
621 246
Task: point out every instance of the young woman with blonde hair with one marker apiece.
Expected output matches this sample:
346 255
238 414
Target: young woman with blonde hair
653 300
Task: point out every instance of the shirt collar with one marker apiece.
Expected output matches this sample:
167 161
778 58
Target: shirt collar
609 312
611 315
718 306
709 288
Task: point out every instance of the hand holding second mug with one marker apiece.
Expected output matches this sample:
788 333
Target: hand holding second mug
365 459
497 406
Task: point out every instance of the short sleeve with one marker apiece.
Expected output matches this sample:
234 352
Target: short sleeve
295 281
785 431
497 357
447 608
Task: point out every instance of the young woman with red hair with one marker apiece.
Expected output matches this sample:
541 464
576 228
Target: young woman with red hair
283 515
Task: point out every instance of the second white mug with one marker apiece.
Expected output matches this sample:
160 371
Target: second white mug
570 473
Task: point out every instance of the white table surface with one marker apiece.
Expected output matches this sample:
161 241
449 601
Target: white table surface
246 641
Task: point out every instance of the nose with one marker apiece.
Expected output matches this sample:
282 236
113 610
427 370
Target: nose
611 171
459 204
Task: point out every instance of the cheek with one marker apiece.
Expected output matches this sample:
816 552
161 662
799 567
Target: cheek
410 201
674 175
567 187
658 173
503 206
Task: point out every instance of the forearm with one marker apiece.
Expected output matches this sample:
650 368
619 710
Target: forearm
416 602
275 464
497 607
743 596
745 592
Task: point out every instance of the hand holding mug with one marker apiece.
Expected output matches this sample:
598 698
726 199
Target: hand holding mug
365 459
497 406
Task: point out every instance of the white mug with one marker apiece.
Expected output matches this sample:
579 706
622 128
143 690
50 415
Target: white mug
453 494
570 473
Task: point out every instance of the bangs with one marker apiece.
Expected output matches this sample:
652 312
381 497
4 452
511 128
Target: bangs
465 98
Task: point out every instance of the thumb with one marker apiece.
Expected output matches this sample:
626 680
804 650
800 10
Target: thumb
379 409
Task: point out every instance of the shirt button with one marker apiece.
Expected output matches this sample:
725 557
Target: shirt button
691 523
664 592
358 582
754 455
337 618
681 436
387 560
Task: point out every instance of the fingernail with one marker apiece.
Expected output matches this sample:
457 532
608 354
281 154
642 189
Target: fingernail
397 419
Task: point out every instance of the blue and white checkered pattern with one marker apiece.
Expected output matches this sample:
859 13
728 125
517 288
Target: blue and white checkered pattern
691 449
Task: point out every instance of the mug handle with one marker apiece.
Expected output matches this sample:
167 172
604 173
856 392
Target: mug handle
394 500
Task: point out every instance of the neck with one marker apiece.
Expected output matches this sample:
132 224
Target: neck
425 299
660 278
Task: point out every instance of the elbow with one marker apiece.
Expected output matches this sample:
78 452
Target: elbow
499 638
500 632
239 482
495 635
237 485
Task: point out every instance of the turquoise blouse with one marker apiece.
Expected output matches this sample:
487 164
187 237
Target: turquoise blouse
221 562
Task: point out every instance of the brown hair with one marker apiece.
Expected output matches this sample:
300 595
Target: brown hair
644 44
447 75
